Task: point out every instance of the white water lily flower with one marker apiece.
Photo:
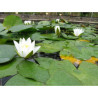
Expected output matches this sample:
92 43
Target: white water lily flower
57 20
77 31
27 22
26 48
57 30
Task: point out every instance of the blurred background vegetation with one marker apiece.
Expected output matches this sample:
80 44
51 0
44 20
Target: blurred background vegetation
79 14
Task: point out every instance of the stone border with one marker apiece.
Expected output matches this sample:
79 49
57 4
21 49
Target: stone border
71 19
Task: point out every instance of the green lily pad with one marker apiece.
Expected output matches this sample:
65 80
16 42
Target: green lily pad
45 62
53 37
52 46
69 36
84 54
44 23
95 51
37 36
32 70
8 69
12 20
1 27
7 53
59 72
19 80
4 33
88 74
80 50
20 28
62 78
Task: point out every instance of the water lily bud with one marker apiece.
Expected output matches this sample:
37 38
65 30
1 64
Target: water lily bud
46 13
26 48
16 12
77 31
57 20
60 14
27 22
57 30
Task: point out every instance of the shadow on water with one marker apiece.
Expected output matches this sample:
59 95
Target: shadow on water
4 80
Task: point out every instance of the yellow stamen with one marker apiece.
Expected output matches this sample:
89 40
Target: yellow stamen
25 46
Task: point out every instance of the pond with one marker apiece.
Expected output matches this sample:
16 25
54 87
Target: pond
47 53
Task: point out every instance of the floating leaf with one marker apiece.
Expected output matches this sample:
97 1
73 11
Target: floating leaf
79 50
57 71
37 36
32 70
52 46
53 36
44 23
69 36
21 27
18 80
87 73
4 33
12 20
7 53
1 27
62 78
8 69
45 62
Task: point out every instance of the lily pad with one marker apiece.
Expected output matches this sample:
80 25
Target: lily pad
4 33
52 46
19 80
37 36
1 27
88 74
44 23
62 78
20 28
84 54
69 36
7 53
45 62
59 72
32 70
53 37
8 69
12 20
80 50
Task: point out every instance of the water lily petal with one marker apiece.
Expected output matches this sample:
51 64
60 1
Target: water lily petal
33 44
36 49
20 41
28 40
78 31
16 45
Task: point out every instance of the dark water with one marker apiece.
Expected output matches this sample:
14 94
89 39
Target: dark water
4 80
